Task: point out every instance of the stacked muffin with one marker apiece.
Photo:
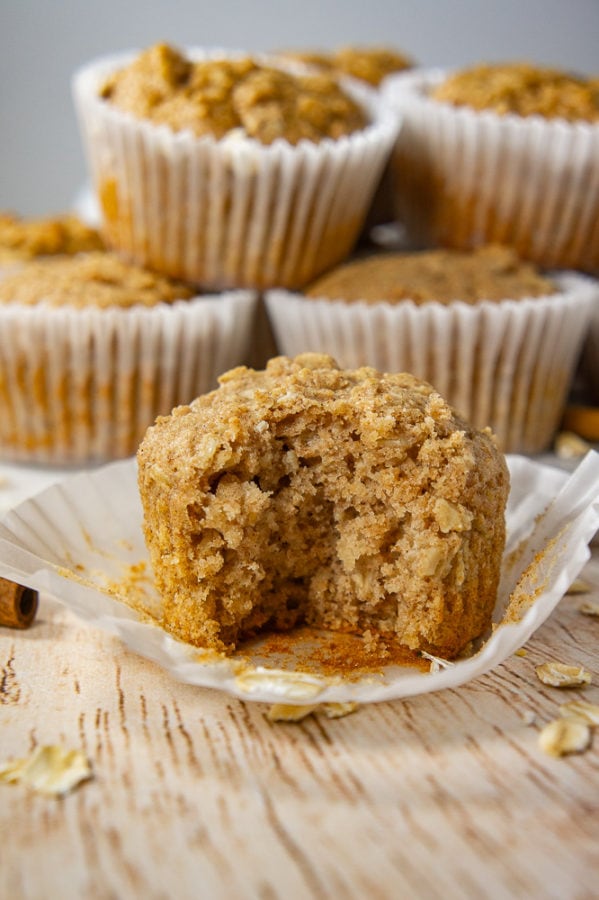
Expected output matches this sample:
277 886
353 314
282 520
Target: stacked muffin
504 153
213 173
228 171
487 159
238 174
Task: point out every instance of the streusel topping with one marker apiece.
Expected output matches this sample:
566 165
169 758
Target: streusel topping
218 96
92 279
523 89
489 273
22 239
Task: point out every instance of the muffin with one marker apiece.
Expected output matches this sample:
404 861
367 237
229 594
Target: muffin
23 239
348 500
369 64
92 349
504 153
227 171
495 337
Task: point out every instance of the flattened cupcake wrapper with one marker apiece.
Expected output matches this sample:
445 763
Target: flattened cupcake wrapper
465 177
79 385
507 365
231 212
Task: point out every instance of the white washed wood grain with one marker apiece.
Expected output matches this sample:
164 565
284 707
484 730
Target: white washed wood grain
197 794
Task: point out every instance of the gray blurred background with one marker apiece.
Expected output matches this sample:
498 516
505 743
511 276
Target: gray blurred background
42 41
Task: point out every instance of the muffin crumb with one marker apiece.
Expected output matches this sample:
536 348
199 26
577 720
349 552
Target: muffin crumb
367 506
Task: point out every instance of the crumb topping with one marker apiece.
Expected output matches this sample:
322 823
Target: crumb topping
489 273
370 64
92 279
218 96
22 239
523 89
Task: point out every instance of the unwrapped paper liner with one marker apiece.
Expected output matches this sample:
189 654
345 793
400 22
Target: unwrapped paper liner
91 523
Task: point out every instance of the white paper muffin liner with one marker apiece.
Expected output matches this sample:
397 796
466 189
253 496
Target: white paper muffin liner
231 212
466 177
590 355
80 540
507 365
84 384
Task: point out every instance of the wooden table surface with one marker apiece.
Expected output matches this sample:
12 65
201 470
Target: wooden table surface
196 794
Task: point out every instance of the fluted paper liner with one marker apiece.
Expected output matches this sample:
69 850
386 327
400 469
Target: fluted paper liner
81 540
230 212
84 384
507 365
465 177
590 356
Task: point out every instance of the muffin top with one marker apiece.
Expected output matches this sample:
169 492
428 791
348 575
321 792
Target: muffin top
524 90
93 279
22 239
370 64
219 96
489 273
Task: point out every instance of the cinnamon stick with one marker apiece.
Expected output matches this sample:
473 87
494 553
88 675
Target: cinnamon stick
18 604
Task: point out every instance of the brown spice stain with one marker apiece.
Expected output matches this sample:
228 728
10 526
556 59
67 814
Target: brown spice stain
10 689
329 653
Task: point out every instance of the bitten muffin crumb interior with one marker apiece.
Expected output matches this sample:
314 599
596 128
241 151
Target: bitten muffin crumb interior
348 500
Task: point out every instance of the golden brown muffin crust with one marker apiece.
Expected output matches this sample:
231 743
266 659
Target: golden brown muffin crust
92 279
370 64
216 96
350 500
489 273
523 89
22 239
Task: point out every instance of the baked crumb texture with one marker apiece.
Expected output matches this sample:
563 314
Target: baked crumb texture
218 96
348 500
524 90
488 273
99 279
22 239
370 64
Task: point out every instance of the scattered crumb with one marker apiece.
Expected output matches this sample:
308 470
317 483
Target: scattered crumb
578 586
581 711
561 675
569 445
521 652
285 712
564 736
49 770
589 609
338 710
529 717
437 663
